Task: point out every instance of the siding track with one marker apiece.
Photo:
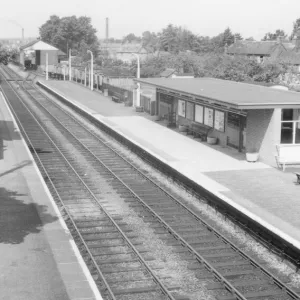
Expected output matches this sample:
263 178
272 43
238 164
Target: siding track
75 162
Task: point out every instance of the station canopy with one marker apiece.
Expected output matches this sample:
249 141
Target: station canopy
232 94
38 45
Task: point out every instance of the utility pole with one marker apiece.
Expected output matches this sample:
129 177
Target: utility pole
92 67
47 66
70 66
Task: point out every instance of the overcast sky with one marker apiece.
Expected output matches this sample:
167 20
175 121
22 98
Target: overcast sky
204 17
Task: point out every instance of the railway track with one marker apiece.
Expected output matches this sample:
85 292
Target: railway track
231 273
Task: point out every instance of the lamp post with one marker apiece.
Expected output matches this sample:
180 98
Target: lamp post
47 66
92 75
70 66
138 94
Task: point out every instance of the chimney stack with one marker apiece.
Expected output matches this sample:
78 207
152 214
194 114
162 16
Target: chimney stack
107 30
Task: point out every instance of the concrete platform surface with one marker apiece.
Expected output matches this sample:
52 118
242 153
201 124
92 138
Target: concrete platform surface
38 257
267 195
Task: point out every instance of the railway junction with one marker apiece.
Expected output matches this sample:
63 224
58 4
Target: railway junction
131 230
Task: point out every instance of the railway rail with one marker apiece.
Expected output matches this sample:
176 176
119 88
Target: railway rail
232 273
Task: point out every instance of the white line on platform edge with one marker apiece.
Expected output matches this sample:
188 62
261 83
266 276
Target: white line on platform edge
85 270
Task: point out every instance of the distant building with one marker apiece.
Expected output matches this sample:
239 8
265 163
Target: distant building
16 43
172 73
125 51
34 53
285 50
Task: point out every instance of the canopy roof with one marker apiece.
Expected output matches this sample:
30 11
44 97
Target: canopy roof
38 45
224 92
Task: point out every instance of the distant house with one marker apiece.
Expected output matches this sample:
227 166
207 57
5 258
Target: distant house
125 53
172 73
34 54
259 50
110 48
262 50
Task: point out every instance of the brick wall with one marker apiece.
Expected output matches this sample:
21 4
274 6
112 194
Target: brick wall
263 133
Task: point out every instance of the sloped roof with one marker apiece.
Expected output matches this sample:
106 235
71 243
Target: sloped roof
229 93
131 48
290 57
28 44
115 72
38 45
255 47
167 73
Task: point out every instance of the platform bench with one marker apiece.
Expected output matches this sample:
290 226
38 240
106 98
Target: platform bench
298 177
116 99
198 131
287 155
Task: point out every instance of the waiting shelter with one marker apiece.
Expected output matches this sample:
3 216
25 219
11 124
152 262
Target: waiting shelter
33 54
247 117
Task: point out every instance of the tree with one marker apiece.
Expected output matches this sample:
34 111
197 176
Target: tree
150 41
70 33
273 36
131 37
4 54
238 37
296 25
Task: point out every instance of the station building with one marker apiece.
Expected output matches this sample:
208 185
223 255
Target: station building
246 117
33 54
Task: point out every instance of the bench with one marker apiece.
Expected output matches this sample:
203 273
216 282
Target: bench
287 155
298 177
198 131
116 99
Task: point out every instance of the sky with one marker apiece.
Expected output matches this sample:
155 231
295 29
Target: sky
251 18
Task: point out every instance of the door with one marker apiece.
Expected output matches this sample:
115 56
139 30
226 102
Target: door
38 57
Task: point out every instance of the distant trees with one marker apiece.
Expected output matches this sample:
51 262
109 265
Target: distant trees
273 36
7 54
70 33
296 25
131 38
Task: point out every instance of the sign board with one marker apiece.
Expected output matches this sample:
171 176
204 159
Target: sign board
219 120
181 108
209 117
199 113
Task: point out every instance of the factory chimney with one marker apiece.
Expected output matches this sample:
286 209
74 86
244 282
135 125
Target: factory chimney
107 30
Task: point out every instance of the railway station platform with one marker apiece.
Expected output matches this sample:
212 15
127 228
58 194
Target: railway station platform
38 257
267 195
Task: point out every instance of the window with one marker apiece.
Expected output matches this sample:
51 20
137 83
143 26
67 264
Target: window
219 120
181 108
199 113
209 117
190 110
290 126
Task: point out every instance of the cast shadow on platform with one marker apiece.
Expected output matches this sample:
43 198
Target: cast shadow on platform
18 219
19 166
7 133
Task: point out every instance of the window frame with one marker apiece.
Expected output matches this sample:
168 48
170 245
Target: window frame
294 132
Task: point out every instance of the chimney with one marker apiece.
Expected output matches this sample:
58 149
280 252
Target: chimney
107 30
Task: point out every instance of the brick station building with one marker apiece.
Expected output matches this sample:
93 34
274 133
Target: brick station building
242 116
